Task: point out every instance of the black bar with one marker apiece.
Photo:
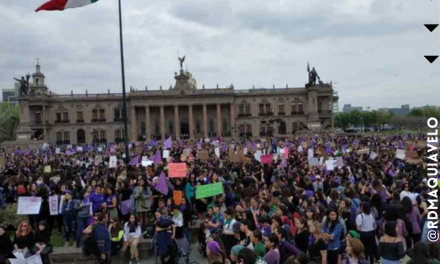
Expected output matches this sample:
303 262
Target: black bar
127 154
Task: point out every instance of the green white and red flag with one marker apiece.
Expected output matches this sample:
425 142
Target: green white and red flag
60 5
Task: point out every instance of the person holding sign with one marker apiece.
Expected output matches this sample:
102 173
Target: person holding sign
24 239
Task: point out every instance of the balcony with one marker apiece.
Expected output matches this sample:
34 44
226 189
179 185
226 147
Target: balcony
297 113
325 112
266 114
101 120
245 115
80 121
120 119
281 113
226 134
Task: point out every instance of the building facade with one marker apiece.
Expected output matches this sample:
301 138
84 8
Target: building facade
10 95
183 111
348 108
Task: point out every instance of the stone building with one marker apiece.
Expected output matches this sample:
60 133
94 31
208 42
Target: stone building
183 111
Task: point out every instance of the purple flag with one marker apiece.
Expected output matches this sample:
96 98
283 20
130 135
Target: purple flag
162 185
400 144
126 207
153 143
157 158
168 143
283 164
309 193
27 152
17 152
45 158
199 145
134 161
224 148
328 149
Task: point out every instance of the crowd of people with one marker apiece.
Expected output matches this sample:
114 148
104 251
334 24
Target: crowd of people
368 206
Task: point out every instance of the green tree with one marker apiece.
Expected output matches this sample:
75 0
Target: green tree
9 120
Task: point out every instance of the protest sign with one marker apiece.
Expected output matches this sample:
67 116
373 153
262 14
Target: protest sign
313 162
266 159
177 170
245 151
53 204
166 154
79 149
217 152
310 153
57 151
300 148
47 169
330 165
19 258
177 197
144 158
339 162
286 153
113 161
412 154
34 259
127 207
146 163
363 151
99 149
257 155
202 154
321 161
400 154
29 205
208 190
373 155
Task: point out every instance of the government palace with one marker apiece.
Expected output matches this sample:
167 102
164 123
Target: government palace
184 111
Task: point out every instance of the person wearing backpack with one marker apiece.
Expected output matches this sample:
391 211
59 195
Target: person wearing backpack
102 238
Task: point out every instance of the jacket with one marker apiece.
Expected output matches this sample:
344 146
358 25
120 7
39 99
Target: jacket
102 238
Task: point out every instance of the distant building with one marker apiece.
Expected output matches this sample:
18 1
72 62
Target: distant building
348 108
10 95
402 111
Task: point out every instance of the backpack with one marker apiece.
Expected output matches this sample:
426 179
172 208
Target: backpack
89 246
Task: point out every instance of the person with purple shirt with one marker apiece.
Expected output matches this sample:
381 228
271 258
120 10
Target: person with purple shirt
413 215
97 199
273 255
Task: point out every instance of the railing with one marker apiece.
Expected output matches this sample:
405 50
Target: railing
281 113
80 121
120 119
297 113
245 115
266 114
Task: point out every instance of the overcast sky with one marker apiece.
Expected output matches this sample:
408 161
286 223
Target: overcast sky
372 50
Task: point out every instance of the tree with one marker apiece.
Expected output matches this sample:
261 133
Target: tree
9 120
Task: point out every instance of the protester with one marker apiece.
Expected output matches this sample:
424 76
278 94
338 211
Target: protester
117 236
391 248
103 240
6 244
24 239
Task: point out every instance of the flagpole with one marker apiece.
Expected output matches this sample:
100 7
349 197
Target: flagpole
124 96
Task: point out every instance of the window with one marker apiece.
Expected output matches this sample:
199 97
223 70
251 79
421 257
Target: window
143 130
95 114
295 126
58 117
241 109
281 108
198 128
319 106
268 108
66 136
80 115
170 127
261 108
117 134
117 114
211 125
95 134
294 108
263 129
248 128
59 136
225 125
282 128
101 113
37 117
65 116
242 129
103 134
157 128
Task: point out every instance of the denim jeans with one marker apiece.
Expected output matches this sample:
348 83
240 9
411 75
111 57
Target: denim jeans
83 223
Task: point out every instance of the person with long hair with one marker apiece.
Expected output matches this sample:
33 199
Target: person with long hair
273 254
413 214
116 235
228 235
246 256
111 202
302 234
420 254
317 244
366 225
132 235
214 253
355 252
332 230
390 245
142 195
24 239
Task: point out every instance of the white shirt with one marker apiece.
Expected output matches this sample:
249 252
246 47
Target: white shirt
366 222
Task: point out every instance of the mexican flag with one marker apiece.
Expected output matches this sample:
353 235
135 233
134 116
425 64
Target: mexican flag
60 5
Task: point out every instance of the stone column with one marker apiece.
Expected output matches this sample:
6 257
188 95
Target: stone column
219 121
205 122
191 122
232 122
147 123
162 122
133 118
176 122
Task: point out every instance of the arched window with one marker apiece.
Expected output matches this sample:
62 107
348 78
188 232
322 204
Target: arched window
248 128
282 128
268 108
81 136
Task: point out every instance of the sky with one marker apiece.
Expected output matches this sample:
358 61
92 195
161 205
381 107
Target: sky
372 50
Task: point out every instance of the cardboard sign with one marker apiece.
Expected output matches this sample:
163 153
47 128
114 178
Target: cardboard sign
53 204
313 162
363 151
79 149
266 159
146 163
330 165
144 158
310 153
99 149
217 152
373 155
209 190
202 154
166 154
113 162
339 162
400 154
47 169
29 205
57 151
177 170
177 197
